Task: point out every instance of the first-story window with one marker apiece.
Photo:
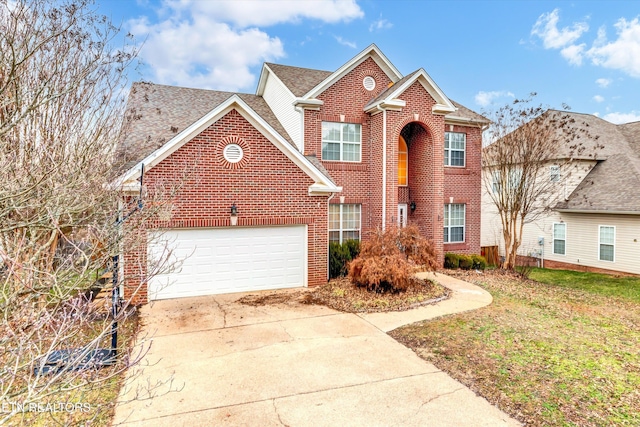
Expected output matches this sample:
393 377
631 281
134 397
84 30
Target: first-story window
454 223
341 141
344 222
559 238
607 243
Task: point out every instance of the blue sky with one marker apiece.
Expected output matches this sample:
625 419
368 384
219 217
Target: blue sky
483 54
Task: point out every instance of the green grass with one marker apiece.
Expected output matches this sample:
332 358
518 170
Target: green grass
603 284
549 355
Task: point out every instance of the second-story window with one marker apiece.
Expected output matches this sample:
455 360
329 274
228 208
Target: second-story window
341 141
454 148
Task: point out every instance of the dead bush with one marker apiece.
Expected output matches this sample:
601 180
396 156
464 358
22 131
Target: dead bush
388 259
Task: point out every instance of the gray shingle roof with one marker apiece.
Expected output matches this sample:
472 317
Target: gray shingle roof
613 185
157 113
465 113
298 80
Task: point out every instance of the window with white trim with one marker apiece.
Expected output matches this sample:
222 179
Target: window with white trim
344 222
454 223
559 238
454 148
606 243
341 141
554 173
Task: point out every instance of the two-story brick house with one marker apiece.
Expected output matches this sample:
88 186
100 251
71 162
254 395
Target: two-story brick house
314 156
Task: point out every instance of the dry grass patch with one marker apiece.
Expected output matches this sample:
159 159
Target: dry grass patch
547 355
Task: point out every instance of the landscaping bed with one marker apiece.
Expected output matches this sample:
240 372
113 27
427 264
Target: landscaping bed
341 294
547 354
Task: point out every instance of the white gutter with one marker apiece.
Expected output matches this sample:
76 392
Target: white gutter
384 168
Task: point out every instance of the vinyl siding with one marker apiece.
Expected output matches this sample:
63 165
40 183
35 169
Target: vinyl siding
582 241
280 99
570 177
581 230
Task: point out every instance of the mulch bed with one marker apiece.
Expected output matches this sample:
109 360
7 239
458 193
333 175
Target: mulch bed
340 294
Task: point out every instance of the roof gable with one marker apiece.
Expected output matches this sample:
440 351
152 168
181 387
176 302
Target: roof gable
390 97
372 52
322 182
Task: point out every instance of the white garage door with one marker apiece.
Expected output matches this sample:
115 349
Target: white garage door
208 261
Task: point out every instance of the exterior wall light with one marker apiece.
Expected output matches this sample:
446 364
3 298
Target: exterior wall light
234 214
413 206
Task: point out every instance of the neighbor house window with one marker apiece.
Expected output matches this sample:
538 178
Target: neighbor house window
403 162
554 173
496 184
607 243
341 141
454 223
344 222
559 238
454 147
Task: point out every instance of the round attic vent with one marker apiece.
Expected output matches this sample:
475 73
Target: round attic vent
369 83
232 153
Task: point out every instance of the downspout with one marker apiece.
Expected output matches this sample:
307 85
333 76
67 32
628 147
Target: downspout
301 111
384 167
328 204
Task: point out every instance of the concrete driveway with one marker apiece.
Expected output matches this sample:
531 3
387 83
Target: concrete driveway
288 364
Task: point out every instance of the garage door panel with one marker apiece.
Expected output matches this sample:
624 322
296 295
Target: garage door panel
224 260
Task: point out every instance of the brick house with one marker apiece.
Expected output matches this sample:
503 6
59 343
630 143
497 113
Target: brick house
314 156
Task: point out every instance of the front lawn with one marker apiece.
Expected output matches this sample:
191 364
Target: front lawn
622 286
560 355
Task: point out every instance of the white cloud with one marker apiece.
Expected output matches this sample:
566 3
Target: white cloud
603 83
214 45
573 53
619 118
345 42
546 27
262 13
380 24
598 98
485 99
621 54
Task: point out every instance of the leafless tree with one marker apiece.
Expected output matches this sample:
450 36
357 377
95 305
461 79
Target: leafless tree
62 91
527 142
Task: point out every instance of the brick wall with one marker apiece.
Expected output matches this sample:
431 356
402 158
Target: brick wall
267 188
430 183
464 186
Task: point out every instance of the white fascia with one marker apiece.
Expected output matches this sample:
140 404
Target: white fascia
129 180
465 121
371 51
308 104
386 104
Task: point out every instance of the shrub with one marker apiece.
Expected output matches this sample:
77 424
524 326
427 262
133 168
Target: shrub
387 260
340 255
353 246
479 262
451 260
466 262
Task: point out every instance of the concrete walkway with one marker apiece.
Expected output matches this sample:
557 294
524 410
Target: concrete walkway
296 365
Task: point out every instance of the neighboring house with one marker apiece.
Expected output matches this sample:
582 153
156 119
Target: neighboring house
593 221
314 156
